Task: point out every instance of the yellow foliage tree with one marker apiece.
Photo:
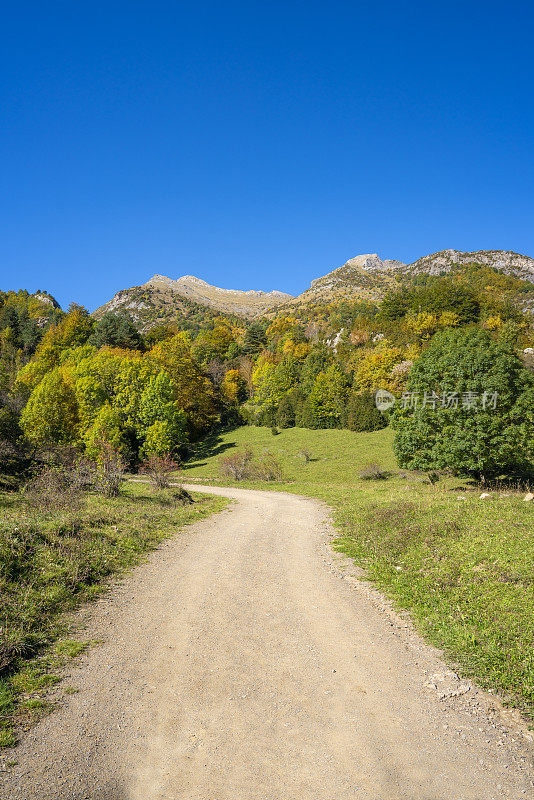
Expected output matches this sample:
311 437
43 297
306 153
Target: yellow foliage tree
233 387
374 368
422 324
193 392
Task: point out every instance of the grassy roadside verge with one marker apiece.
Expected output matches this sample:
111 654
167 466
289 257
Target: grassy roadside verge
462 567
50 564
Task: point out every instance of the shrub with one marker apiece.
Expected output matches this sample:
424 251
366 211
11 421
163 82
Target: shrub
373 472
275 431
285 415
267 417
242 466
237 466
305 454
57 487
268 468
158 469
182 497
109 470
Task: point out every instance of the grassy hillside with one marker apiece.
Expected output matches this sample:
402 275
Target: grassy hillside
462 566
337 455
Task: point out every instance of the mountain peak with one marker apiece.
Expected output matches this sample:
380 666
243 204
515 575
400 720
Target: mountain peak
247 303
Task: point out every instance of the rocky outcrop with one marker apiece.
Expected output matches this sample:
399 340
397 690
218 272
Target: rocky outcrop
505 260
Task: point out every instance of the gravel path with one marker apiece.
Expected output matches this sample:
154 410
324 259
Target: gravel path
246 661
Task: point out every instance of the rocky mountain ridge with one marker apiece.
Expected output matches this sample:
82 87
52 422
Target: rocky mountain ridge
363 277
247 303
506 261
368 277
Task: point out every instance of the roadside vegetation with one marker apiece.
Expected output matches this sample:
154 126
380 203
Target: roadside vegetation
56 555
463 567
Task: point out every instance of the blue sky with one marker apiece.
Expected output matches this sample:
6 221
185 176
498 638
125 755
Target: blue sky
258 145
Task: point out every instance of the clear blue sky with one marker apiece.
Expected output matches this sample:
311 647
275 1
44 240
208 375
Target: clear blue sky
258 145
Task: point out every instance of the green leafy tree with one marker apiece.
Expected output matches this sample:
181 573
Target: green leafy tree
233 352
51 414
193 392
277 380
458 380
439 295
117 330
108 426
318 360
254 339
163 420
362 413
76 328
160 439
325 406
133 376
212 344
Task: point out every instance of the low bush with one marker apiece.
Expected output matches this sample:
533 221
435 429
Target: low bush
373 472
237 466
110 469
305 454
158 469
243 466
58 487
268 468
182 497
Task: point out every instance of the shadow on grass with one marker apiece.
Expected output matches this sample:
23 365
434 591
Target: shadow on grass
209 447
519 481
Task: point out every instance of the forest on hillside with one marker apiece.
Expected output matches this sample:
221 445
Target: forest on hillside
71 381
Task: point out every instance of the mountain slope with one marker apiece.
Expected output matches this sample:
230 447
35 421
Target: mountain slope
364 277
230 301
368 277
150 306
506 261
163 299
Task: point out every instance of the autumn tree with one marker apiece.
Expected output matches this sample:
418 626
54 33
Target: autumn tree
192 390
233 387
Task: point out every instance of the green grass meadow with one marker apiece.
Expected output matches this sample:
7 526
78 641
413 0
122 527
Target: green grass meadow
463 567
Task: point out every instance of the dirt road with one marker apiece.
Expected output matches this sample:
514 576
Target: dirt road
244 662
